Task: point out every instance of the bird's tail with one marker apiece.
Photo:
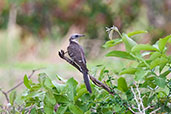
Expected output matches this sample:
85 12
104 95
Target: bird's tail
86 81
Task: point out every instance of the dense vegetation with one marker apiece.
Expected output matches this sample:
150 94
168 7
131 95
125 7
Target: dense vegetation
142 87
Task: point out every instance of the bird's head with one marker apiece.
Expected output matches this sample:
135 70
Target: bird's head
76 36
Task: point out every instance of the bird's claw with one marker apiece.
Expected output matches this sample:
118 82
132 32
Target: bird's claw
61 53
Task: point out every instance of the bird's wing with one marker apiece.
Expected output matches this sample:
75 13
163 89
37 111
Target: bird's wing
76 53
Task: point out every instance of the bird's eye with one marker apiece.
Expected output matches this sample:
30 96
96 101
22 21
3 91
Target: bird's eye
76 35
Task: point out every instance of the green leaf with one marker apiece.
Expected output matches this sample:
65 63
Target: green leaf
112 43
26 82
117 108
160 82
145 47
122 85
62 99
49 98
128 71
154 63
80 93
48 109
158 61
101 74
60 78
72 85
88 112
136 32
12 97
59 87
155 55
165 74
139 74
61 109
48 83
121 54
129 43
41 78
162 42
75 109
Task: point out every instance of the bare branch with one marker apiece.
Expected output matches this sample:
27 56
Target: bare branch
135 97
6 95
94 80
19 84
140 99
16 86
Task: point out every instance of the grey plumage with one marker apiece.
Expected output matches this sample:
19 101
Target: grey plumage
76 53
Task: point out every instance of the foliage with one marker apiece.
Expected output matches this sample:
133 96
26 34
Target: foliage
144 88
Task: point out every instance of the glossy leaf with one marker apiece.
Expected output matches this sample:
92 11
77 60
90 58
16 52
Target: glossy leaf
75 109
142 47
12 97
112 43
80 93
121 54
62 99
139 74
26 82
129 43
166 73
128 71
59 87
72 84
160 82
101 74
136 32
61 109
122 85
49 98
155 55
158 61
162 42
48 83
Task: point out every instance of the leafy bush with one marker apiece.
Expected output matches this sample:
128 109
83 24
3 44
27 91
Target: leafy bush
144 88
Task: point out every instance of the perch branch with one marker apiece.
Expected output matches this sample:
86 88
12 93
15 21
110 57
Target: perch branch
93 79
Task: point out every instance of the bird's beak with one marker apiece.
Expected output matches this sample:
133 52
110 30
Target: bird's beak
81 35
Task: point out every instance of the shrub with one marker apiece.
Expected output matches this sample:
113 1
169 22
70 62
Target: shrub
148 91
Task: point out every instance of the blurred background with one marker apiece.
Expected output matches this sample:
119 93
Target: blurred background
33 31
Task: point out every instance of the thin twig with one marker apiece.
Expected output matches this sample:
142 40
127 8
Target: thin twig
154 111
6 95
94 80
135 97
131 110
19 84
139 97
29 112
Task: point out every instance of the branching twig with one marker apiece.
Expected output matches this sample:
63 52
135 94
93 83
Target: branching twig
33 71
135 97
94 80
140 99
17 85
6 95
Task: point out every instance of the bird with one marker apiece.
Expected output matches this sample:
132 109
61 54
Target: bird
76 53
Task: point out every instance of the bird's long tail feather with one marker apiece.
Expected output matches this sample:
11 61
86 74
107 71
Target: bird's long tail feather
86 81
